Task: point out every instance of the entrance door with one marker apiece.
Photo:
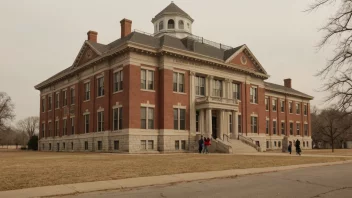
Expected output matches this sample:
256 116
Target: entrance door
214 127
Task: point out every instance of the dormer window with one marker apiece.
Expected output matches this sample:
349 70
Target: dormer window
188 26
180 25
161 25
171 24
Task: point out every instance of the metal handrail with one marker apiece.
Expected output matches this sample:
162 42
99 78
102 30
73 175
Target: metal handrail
249 141
227 137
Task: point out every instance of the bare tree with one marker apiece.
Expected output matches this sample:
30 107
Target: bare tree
6 110
338 71
29 125
331 125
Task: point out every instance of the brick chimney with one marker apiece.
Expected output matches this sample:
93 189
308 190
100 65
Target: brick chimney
126 26
288 83
92 36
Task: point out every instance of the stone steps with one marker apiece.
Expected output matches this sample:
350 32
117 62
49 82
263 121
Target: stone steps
240 147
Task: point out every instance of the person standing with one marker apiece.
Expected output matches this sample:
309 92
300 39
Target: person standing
290 147
298 147
201 144
206 145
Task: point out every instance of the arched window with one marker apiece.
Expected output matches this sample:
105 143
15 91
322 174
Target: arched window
161 25
275 143
304 144
180 25
307 144
171 24
279 144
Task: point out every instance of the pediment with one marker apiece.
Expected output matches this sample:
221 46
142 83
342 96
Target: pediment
245 58
85 54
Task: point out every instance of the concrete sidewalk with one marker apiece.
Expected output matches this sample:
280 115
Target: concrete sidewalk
66 189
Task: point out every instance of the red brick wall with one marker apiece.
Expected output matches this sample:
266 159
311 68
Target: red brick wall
237 61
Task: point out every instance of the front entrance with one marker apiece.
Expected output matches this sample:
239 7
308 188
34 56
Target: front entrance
214 127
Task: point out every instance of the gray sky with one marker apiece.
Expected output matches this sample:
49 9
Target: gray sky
40 37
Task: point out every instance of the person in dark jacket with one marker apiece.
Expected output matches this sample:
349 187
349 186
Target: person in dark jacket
290 147
201 144
298 147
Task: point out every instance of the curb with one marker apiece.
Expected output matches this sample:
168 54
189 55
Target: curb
69 189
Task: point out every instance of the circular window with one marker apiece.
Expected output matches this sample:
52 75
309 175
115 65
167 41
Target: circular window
89 54
243 59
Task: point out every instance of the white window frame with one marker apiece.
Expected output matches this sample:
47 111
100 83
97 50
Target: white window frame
284 128
64 127
72 120
87 91
57 100
304 129
298 129
86 130
298 108
64 98
256 124
274 127
49 129
72 96
290 107
253 94
148 107
178 82
267 126
43 129
100 121
305 110
118 109
291 122
274 104
50 102
57 128
217 91
282 106
43 104
118 80
236 91
147 71
100 88
179 108
198 85
267 106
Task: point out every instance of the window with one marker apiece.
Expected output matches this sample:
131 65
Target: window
147 118
305 109
275 143
64 98
177 145
86 145
254 125
118 81
230 123
267 144
171 24
64 146
267 127
150 145
49 101
100 145
87 91
254 95
58 146
43 104
282 106
117 119
274 127
100 86
72 96
274 104
267 104
298 126
183 144
143 144
181 25
147 79
72 126
116 145
290 107
43 147
179 119
49 146
49 129
239 124
197 121
279 144
43 129
282 128
64 128
217 88
298 108
200 86
100 121
178 82
57 100
306 129
161 25
236 91
291 128
307 144
56 128
71 145
86 123
304 144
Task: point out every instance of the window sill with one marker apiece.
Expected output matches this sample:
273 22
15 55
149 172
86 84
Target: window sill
117 92
86 100
49 110
72 105
182 93
148 90
100 96
253 103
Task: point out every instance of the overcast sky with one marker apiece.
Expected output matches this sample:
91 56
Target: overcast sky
40 37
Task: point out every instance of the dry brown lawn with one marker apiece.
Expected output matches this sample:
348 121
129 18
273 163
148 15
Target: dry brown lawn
339 152
32 169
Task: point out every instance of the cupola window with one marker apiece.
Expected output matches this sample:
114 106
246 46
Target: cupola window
180 25
161 25
171 24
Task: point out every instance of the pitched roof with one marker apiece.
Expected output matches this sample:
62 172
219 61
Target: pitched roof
283 89
171 9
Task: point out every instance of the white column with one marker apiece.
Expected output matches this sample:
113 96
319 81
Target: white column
208 123
229 90
192 103
201 122
222 124
224 88
235 123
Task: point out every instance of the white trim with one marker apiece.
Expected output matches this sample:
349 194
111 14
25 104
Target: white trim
179 106
100 109
148 68
175 70
254 114
119 68
100 75
147 104
86 112
117 105
86 81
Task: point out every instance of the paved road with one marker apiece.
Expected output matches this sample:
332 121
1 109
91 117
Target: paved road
326 181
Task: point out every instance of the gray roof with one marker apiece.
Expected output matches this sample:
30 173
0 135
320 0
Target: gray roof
171 9
283 89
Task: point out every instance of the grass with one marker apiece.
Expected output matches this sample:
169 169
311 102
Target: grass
340 152
20 169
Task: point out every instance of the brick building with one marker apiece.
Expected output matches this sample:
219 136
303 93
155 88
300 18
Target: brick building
159 92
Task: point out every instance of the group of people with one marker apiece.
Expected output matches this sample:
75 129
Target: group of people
297 145
204 143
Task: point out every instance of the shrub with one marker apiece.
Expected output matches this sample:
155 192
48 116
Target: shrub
33 143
